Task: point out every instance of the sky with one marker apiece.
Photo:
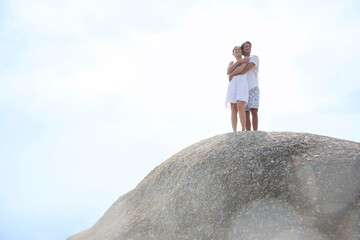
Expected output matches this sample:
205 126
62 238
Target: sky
96 94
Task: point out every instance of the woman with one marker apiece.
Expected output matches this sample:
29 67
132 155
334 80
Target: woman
238 92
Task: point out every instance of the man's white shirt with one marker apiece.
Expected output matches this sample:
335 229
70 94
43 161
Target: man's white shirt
252 75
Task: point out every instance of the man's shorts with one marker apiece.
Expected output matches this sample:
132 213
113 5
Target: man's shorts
254 97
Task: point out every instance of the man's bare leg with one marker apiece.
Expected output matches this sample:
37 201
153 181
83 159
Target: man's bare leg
254 117
248 121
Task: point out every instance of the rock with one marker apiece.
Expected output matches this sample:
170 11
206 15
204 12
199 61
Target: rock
245 185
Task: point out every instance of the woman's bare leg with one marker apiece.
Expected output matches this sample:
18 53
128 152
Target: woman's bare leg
234 112
241 110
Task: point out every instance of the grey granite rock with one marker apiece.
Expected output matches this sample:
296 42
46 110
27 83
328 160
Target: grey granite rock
246 185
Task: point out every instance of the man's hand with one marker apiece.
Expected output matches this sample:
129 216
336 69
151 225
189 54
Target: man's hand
230 77
243 60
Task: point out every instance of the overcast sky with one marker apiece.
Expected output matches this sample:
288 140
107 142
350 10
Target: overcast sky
95 94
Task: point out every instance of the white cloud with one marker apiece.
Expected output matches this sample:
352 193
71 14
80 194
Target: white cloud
116 70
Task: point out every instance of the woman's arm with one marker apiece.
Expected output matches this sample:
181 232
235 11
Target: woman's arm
230 64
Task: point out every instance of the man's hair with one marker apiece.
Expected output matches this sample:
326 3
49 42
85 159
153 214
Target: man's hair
242 46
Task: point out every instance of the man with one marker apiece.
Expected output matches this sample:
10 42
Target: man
254 94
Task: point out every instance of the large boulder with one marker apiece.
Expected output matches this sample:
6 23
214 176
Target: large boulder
245 185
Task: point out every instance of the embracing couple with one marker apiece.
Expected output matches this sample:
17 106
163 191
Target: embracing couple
243 91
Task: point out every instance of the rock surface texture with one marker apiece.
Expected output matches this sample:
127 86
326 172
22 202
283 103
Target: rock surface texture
245 185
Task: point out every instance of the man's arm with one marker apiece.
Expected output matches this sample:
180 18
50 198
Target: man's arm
244 70
240 69
237 63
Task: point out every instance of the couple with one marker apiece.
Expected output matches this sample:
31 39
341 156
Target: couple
243 91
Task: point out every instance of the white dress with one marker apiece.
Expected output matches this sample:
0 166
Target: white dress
238 90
